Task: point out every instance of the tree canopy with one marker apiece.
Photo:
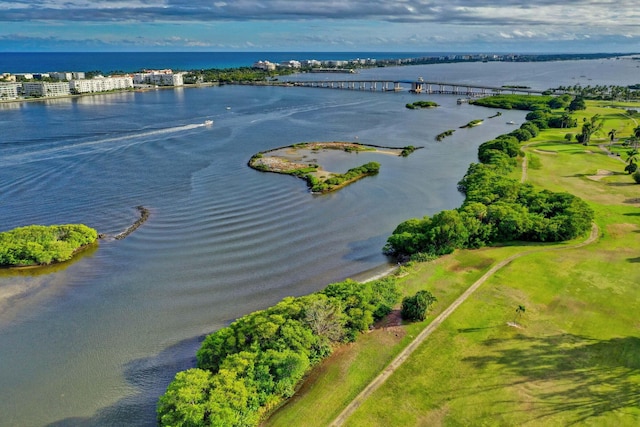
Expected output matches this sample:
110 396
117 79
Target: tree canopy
42 245
496 208
251 366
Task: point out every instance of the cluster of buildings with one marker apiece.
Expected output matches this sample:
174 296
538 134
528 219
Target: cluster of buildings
313 63
370 62
33 85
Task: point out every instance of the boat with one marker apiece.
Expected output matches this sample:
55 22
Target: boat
208 122
511 122
228 108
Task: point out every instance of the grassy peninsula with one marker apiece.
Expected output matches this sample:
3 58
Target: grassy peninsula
549 339
548 336
42 245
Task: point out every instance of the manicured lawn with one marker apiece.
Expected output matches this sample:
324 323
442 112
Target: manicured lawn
575 360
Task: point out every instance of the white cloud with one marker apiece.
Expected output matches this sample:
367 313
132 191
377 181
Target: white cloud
284 24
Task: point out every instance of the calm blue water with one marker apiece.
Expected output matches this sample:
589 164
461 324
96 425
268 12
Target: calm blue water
96 341
12 62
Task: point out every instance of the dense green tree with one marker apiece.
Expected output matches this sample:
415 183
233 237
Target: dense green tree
562 121
537 115
39 244
325 318
521 134
508 145
578 103
486 184
446 233
184 404
415 307
589 127
251 366
511 221
531 128
632 160
561 101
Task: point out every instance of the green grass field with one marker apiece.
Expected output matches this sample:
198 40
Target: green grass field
575 360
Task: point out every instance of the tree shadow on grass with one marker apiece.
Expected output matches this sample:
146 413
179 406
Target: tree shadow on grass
469 330
576 376
621 184
634 260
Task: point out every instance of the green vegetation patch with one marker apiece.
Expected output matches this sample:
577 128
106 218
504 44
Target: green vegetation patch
42 245
421 104
250 367
515 102
472 123
571 359
287 160
336 181
444 134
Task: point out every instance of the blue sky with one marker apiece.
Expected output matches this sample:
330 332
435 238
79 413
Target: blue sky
321 25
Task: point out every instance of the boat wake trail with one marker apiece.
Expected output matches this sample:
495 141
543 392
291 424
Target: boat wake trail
61 148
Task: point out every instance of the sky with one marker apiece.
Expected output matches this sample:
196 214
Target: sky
492 26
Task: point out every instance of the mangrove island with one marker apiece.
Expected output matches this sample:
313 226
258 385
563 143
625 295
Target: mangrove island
36 245
294 160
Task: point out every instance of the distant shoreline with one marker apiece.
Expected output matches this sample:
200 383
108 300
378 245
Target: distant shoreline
111 92
350 65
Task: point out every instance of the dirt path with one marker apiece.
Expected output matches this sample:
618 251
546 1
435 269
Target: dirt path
404 354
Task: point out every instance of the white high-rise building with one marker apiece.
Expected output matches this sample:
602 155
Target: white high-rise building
159 78
101 84
45 89
8 91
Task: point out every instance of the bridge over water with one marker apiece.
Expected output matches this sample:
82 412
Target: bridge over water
414 86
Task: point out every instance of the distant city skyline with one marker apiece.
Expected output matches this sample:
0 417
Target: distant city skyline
546 26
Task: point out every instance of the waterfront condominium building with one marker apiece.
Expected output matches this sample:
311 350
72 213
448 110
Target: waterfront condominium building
45 89
100 84
8 91
159 78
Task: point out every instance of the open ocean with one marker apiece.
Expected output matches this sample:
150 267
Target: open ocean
96 341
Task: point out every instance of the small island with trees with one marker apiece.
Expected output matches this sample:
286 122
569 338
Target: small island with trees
444 134
38 245
472 123
421 104
294 160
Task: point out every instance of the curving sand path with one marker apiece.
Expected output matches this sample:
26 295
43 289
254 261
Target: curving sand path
404 354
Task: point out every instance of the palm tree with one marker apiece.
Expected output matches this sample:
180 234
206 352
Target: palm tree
590 127
612 136
636 133
519 312
632 160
